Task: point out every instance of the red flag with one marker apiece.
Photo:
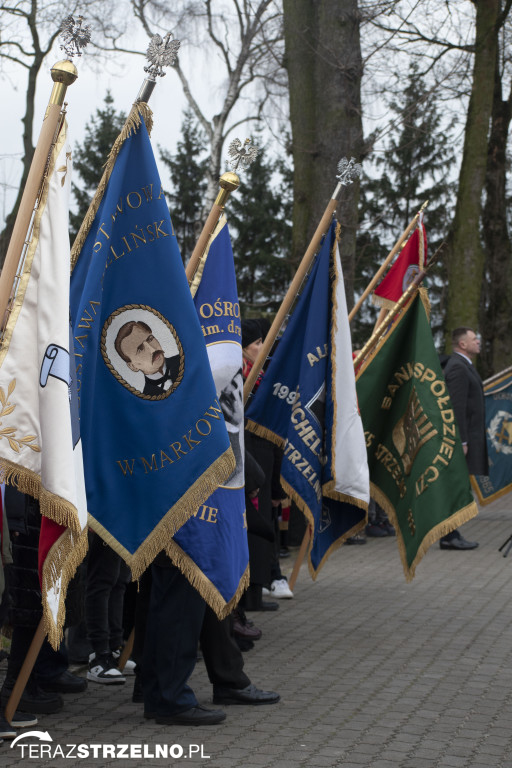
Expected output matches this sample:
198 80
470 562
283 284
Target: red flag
409 263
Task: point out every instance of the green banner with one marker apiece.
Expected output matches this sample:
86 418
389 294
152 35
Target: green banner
418 472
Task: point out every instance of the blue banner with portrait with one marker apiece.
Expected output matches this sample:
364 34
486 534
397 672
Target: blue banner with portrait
306 402
155 442
211 548
498 418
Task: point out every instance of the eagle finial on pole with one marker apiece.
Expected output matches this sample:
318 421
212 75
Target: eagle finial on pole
74 36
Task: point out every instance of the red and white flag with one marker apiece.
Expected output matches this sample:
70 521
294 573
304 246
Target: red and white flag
409 263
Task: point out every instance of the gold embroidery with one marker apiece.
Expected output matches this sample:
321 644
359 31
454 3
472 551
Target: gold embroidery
9 433
64 169
412 431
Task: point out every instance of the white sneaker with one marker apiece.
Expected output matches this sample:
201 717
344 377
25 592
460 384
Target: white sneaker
103 669
265 591
280 588
129 667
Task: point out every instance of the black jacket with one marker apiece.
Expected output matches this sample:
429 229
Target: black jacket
467 396
156 386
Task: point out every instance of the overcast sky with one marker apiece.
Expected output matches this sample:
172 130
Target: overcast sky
124 77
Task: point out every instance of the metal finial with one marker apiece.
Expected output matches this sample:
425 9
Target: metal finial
241 154
161 53
348 170
74 37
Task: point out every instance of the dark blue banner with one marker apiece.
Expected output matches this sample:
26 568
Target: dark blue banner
300 406
154 439
211 548
498 417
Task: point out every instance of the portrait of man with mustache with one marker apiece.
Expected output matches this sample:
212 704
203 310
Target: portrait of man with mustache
141 351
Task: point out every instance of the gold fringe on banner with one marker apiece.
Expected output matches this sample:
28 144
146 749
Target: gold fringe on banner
173 520
493 497
425 300
382 302
138 113
257 429
301 504
202 583
63 558
442 529
330 491
54 507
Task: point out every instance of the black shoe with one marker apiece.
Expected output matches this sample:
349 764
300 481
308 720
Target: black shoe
457 543
265 605
195 716
23 719
66 682
249 695
19 720
33 699
6 731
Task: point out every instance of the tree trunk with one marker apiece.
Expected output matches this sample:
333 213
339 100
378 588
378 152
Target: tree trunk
323 59
497 287
465 257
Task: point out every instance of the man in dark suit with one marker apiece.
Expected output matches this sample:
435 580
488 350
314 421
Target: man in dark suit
141 351
467 396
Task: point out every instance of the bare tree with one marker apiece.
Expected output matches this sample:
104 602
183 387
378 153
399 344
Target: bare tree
246 39
465 46
496 296
323 58
28 31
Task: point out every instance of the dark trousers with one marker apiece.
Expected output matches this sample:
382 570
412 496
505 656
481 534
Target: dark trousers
174 621
107 577
222 656
49 663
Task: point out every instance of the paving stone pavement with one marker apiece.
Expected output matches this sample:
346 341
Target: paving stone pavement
372 671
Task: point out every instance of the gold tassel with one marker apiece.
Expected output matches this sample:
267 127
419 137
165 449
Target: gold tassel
442 529
60 510
175 518
381 301
330 491
63 558
425 300
301 504
202 583
257 429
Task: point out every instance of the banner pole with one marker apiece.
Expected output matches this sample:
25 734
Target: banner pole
382 328
300 557
24 673
63 73
228 182
348 170
387 261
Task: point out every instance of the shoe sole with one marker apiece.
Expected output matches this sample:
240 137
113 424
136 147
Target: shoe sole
24 722
106 681
246 702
